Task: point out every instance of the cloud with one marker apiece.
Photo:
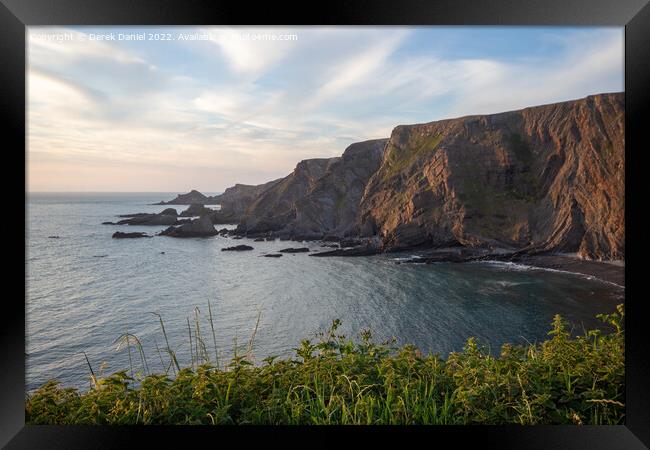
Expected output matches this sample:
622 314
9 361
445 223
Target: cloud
47 89
588 63
73 46
241 111
247 55
357 69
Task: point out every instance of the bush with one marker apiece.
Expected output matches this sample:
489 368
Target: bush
564 380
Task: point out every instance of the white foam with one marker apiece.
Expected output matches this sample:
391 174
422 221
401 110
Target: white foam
508 265
407 258
510 283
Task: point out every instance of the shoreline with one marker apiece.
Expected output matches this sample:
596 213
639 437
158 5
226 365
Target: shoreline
612 272
608 271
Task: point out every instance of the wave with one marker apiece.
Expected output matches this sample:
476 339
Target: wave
510 283
407 258
508 265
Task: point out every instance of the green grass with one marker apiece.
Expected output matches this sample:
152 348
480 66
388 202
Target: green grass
399 159
565 379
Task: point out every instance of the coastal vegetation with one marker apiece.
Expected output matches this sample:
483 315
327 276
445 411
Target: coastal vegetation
397 160
567 379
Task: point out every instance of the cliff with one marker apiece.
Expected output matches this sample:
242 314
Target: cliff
192 197
332 204
237 199
319 196
275 207
542 179
548 178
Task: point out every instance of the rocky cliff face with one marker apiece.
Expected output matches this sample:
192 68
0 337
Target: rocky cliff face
237 199
275 207
320 196
332 204
548 177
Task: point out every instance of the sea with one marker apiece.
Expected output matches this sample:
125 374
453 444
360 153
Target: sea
85 290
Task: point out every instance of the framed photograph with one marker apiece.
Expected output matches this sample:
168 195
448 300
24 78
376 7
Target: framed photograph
381 215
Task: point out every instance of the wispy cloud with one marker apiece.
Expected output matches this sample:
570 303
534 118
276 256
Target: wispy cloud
181 115
357 70
245 49
74 46
588 63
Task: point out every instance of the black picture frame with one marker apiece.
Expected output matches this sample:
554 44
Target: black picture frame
634 15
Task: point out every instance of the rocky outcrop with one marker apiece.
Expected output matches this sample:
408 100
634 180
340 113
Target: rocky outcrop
332 205
366 250
350 243
201 227
321 196
238 198
546 178
169 212
191 197
153 219
121 235
147 219
274 209
219 217
232 203
237 248
294 250
195 210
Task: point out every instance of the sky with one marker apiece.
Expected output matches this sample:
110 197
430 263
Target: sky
207 107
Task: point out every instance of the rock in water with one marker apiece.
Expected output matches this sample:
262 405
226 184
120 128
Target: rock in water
121 235
294 250
237 248
153 219
355 251
191 197
201 227
166 217
169 212
196 209
140 214
350 243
